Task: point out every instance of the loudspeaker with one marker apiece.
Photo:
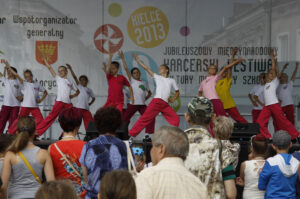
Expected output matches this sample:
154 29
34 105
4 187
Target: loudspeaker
244 131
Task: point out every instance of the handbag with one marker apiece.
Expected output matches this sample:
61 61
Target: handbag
30 167
130 161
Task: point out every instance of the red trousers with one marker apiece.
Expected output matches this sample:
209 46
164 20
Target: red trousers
154 108
282 123
255 114
8 113
86 116
289 112
132 109
218 107
235 114
25 111
56 110
117 105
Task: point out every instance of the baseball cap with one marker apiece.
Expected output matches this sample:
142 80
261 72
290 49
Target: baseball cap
201 103
281 139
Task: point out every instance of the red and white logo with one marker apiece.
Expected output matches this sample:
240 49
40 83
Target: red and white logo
48 49
108 39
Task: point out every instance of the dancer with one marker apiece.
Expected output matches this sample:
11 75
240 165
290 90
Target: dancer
284 93
141 93
84 96
115 85
208 86
12 98
256 97
223 90
31 90
159 103
272 106
63 99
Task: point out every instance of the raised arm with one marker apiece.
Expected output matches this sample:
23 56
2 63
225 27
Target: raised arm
73 74
49 66
121 54
229 71
109 64
145 67
295 72
274 63
283 69
13 72
239 60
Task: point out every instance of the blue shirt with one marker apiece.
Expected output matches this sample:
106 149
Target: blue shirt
297 156
100 156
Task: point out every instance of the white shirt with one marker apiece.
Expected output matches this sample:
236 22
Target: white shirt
284 92
140 90
31 93
258 90
12 90
270 92
64 88
164 87
84 97
126 96
169 179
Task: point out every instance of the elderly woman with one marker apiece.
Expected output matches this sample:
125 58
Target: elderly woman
168 178
105 153
65 153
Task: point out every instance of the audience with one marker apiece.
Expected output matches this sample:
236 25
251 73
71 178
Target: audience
140 158
61 189
279 174
23 182
5 141
250 170
105 153
65 153
168 178
117 184
207 157
297 156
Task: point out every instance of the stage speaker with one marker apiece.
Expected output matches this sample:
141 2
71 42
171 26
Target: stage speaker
244 131
92 132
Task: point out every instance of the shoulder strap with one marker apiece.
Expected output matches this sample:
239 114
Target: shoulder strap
130 161
67 160
29 167
220 150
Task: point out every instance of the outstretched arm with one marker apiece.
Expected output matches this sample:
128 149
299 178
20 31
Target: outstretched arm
295 72
49 66
13 72
234 52
143 65
283 69
274 63
73 74
109 64
121 54
239 60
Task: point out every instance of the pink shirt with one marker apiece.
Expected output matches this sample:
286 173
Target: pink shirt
208 87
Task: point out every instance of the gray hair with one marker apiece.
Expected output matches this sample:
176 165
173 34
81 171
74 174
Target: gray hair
281 139
173 139
223 127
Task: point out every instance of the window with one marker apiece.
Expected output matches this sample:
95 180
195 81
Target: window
283 47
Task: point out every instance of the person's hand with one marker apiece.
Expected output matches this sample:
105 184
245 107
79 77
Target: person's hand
255 104
234 51
69 66
297 64
272 53
171 99
38 101
121 54
136 57
239 181
20 98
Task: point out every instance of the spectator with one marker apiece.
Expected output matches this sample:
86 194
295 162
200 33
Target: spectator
23 182
61 189
105 153
280 173
5 141
117 184
140 158
168 178
296 154
250 170
65 154
206 157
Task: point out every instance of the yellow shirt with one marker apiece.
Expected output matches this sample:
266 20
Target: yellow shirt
223 90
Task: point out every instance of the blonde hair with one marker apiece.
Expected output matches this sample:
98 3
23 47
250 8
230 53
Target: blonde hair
223 127
62 189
